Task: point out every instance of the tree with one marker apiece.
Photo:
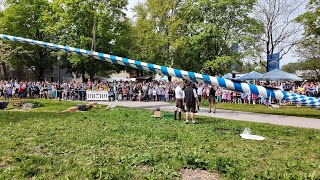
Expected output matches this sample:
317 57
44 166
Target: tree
23 18
102 27
281 32
309 52
158 31
309 48
310 19
187 34
220 66
249 66
6 52
215 28
291 67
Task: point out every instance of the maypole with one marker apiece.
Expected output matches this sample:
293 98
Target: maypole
196 77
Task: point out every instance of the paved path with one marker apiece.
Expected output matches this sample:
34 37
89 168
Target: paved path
228 114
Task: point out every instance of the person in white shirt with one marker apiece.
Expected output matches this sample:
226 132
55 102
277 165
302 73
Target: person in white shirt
179 93
200 92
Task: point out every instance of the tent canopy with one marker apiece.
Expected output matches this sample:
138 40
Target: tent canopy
162 78
279 75
227 76
250 76
118 79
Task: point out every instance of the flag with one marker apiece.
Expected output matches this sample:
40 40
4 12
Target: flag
273 61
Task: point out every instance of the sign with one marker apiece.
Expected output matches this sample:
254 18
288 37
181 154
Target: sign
273 61
234 49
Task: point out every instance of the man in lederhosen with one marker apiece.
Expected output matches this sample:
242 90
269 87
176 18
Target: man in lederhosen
179 94
191 99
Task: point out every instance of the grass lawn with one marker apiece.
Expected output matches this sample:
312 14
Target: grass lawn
129 144
257 108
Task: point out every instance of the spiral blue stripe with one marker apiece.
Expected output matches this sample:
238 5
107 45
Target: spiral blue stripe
221 82
270 93
151 67
238 86
114 59
6 37
55 46
164 70
254 89
100 55
206 79
138 64
126 62
192 76
177 73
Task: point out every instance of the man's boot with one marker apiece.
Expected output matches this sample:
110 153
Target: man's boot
179 116
175 115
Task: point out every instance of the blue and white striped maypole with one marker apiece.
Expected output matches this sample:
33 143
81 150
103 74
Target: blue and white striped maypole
196 77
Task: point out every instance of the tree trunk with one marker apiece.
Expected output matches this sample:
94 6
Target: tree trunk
40 75
91 74
5 71
83 76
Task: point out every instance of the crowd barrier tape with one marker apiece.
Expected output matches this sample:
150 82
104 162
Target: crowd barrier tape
196 77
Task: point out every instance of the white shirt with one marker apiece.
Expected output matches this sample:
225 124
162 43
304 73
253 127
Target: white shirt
195 93
179 93
17 85
200 90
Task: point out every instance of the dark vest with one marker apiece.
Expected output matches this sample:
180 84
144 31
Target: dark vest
212 92
189 96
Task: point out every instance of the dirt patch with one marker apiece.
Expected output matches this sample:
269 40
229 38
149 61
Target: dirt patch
82 107
144 168
195 174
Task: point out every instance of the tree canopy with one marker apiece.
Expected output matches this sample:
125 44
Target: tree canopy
24 18
309 47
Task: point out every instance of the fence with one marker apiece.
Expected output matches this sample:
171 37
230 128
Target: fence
97 95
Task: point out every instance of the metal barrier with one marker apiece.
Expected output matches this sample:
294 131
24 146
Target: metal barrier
97 96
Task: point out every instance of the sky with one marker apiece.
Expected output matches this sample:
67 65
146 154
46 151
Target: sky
288 58
131 5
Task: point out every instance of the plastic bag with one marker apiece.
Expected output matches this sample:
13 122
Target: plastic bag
246 134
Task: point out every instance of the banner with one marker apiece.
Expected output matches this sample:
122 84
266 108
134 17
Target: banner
273 61
234 65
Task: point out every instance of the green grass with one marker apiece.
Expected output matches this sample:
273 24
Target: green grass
257 108
48 105
114 144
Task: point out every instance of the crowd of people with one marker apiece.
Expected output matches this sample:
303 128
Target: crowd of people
186 94
141 91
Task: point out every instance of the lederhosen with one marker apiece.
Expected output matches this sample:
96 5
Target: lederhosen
190 100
